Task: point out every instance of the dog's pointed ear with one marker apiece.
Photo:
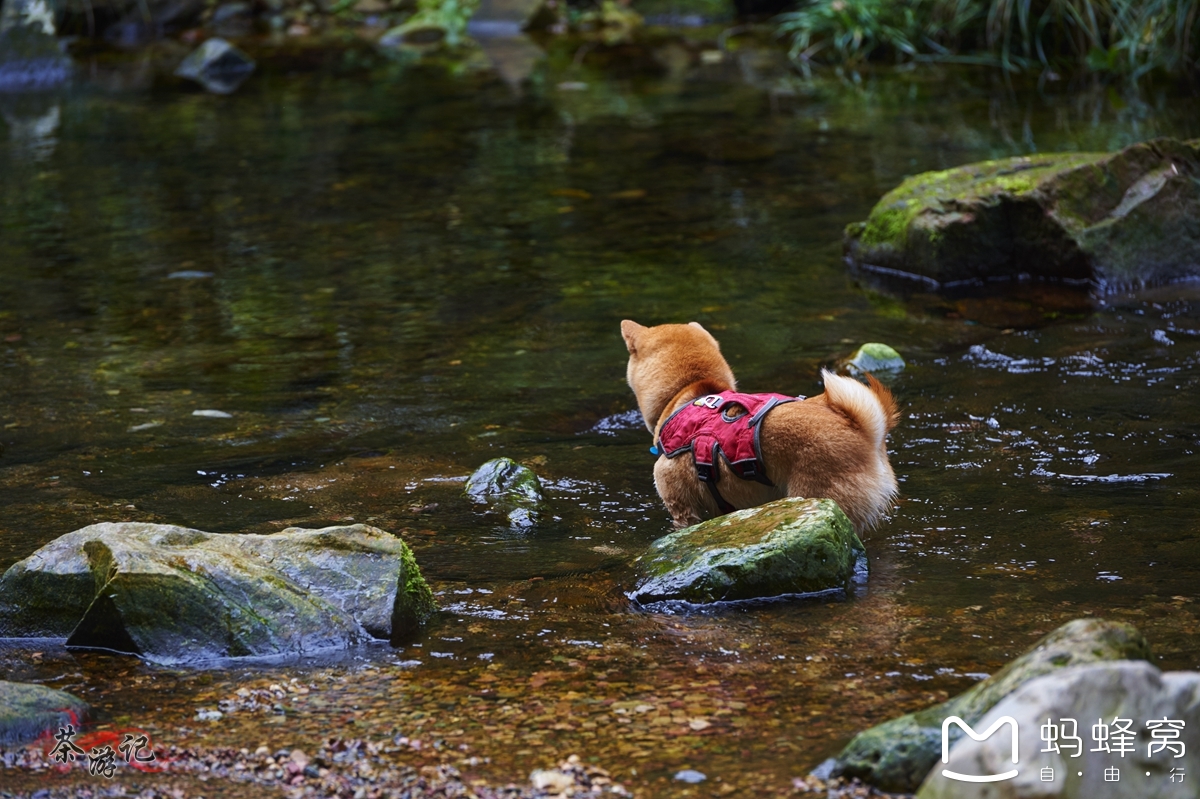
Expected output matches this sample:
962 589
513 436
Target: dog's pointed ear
630 330
711 337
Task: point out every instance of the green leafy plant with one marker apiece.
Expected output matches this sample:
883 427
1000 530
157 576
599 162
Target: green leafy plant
1124 37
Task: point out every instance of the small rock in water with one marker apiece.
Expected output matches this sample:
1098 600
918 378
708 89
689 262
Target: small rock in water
626 420
690 775
206 714
508 487
218 66
876 358
552 781
211 413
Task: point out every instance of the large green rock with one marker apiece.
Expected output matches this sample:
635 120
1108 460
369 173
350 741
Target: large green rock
29 711
1101 692
897 754
1125 218
789 546
172 595
506 486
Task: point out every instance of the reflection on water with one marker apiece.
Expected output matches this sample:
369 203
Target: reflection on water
372 286
32 135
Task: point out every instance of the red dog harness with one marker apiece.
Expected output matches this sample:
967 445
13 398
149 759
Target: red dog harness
727 424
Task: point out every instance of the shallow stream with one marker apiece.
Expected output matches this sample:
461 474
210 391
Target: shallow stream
386 277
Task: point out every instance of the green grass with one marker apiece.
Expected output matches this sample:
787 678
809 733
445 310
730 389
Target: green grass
1120 37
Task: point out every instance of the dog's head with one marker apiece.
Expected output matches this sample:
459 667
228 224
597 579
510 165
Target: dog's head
666 359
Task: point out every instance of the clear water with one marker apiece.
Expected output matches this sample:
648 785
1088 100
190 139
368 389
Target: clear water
387 277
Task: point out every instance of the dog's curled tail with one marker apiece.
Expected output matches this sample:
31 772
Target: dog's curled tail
872 406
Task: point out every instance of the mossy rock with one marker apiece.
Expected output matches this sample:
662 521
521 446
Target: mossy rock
898 754
174 595
506 486
1116 219
27 712
1099 692
786 547
876 358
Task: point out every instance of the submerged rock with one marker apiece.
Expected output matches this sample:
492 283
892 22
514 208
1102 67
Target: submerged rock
877 359
28 712
217 65
789 546
510 488
1124 218
171 595
897 754
1134 691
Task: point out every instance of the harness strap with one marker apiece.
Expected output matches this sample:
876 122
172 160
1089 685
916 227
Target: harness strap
708 476
705 451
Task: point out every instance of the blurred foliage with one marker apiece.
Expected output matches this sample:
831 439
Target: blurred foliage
1120 37
609 21
437 21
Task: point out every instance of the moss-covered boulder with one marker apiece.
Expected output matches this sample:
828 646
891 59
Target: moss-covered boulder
878 359
28 712
170 594
504 485
897 754
1077 763
1118 219
789 546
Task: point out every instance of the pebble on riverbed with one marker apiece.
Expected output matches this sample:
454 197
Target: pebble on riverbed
339 767
839 788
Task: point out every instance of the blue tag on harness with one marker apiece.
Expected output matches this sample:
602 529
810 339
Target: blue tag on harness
654 450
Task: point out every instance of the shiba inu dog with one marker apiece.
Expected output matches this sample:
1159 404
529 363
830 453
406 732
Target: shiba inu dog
750 449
